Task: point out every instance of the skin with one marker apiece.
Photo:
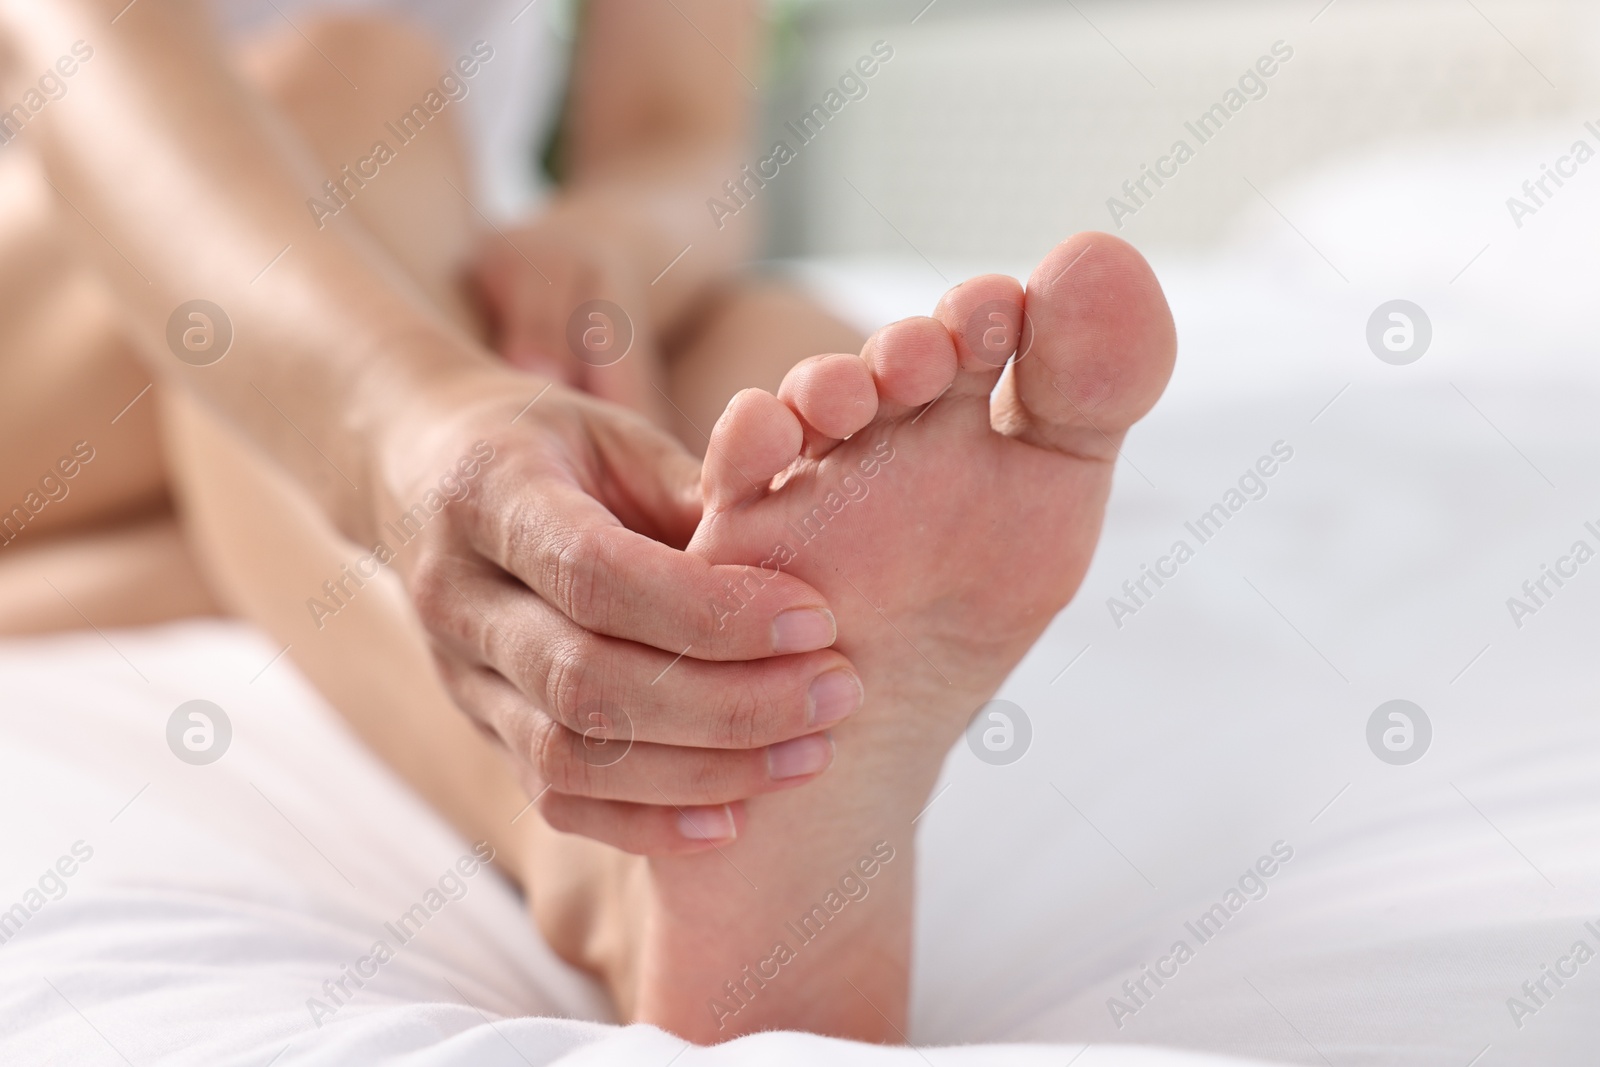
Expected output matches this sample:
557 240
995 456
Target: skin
954 525
364 382
667 932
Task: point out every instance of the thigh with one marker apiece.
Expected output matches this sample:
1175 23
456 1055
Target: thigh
244 536
416 205
86 525
86 529
78 442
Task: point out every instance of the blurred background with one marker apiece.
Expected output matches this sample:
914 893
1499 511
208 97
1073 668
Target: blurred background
1001 125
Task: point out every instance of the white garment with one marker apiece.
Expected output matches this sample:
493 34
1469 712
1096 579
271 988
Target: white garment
513 101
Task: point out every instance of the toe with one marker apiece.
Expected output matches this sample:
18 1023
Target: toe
834 396
985 319
756 438
913 362
1103 352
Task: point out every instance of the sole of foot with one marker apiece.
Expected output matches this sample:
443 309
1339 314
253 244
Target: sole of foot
945 488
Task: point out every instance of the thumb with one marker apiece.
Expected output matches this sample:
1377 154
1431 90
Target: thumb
514 297
526 342
654 481
633 382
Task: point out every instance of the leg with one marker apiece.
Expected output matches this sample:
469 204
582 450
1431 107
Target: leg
675 937
129 574
265 549
262 544
86 528
947 530
109 552
410 207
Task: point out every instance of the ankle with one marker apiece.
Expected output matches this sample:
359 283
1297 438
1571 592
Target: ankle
588 900
823 946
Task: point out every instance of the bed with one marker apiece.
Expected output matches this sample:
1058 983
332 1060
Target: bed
1203 768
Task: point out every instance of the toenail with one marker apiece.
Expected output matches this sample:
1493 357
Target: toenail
803 630
832 696
802 756
707 824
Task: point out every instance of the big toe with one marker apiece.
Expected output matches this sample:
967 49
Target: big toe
1103 348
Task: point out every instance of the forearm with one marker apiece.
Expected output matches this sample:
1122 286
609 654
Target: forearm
194 190
660 118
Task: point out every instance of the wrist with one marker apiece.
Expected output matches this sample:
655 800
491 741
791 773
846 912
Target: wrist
414 387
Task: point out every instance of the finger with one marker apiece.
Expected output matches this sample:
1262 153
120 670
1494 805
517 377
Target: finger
533 360
579 765
605 761
569 549
644 829
503 281
629 378
606 336
666 699
654 481
632 385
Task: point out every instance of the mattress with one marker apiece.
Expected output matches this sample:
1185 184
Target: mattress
1219 845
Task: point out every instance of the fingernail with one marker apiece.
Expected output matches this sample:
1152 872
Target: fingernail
803 630
707 824
832 696
801 756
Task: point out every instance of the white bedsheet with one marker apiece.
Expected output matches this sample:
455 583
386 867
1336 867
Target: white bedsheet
1169 755
208 905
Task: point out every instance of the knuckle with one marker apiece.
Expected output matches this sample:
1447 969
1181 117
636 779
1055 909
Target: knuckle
508 527
567 678
449 617
433 596
515 728
741 723
712 619
463 695
542 745
576 579
549 749
715 777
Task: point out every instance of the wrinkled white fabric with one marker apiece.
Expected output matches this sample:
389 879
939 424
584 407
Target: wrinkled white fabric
1220 725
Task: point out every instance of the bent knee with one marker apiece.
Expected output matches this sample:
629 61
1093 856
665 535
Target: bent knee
381 56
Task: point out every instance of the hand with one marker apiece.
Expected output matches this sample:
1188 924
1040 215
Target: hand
636 693
535 277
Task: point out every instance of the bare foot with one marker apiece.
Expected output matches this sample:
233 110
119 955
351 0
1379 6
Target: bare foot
947 528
